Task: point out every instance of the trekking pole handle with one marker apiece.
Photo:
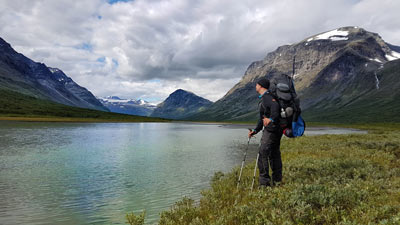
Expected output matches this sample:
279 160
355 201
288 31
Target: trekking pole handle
251 130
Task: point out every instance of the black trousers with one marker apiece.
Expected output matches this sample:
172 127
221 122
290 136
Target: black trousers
270 155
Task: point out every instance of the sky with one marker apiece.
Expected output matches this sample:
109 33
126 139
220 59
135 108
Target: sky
149 48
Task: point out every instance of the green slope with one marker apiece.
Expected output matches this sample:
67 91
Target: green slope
14 104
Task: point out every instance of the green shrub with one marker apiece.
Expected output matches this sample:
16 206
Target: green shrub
133 219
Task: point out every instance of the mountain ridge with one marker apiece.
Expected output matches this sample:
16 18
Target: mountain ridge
21 74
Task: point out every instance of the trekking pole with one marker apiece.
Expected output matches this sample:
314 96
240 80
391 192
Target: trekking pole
255 171
244 159
293 68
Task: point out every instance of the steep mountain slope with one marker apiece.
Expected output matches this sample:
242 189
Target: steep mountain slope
180 104
21 74
336 72
127 106
365 99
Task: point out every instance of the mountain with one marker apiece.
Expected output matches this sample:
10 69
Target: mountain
127 106
17 106
344 75
21 74
180 104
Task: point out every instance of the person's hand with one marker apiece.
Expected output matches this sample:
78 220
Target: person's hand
251 133
266 121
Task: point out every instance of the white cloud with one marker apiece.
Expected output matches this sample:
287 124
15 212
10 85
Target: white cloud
147 49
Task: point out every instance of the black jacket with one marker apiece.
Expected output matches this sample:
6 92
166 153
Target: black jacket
269 108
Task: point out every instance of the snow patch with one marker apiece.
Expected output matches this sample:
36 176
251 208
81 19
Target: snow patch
396 54
53 70
376 60
334 35
338 38
116 100
377 82
112 97
141 102
392 56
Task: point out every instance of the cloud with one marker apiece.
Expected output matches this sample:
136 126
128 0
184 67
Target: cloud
122 47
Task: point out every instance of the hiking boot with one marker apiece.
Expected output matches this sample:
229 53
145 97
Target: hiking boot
265 185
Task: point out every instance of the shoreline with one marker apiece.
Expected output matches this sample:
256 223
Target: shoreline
78 120
237 124
95 120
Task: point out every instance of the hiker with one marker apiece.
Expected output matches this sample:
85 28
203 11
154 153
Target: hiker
270 154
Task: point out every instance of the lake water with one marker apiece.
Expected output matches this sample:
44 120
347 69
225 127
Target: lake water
94 173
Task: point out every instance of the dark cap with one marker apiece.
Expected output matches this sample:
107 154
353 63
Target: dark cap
263 82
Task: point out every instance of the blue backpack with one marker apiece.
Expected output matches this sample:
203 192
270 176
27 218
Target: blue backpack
298 128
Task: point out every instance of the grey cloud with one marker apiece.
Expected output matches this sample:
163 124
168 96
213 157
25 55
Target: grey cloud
178 42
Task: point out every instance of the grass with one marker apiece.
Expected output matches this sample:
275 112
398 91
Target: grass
17 106
328 179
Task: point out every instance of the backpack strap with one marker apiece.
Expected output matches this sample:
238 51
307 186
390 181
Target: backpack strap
273 98
291 89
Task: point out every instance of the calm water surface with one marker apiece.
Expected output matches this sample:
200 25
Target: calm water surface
94 173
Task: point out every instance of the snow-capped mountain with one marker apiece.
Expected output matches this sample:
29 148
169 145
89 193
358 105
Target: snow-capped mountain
345 74
138 107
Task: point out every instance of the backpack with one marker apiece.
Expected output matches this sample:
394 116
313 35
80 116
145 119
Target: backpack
282 88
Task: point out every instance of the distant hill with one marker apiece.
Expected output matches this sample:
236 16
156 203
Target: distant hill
127 106
16 105
180 104
344 75
20 74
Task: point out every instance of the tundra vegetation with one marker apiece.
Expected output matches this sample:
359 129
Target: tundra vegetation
328 179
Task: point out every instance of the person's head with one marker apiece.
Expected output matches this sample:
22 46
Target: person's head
262 85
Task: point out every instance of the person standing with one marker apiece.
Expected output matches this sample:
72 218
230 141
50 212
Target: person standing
270 154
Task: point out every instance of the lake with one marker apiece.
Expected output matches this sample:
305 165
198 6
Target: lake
94 173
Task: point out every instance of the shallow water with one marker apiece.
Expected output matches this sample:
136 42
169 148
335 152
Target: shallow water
94 173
